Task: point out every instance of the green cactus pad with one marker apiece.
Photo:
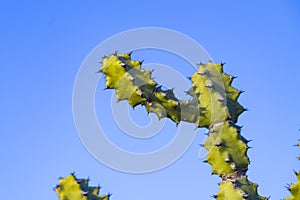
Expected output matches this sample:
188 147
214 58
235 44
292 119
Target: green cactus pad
228 192
71 188
240 189
227 152
215 93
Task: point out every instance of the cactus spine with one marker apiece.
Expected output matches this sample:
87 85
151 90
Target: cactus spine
295 188
213 106
72 188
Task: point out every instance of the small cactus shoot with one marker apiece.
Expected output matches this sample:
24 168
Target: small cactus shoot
72 188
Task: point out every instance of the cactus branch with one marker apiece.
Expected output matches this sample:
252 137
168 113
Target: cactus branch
72 188
214 106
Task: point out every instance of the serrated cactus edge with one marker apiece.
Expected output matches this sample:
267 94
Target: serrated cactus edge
72 188
295 188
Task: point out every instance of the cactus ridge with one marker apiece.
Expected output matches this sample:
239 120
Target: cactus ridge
214 105
294 188
72 188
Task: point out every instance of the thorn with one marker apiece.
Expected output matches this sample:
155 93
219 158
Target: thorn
296 173
245 109
109 194
72 173
222 63
201 145
245 196
130 53
141 62
78 181
132 78
209 85
205 161
221 99
100 71
218 144
233 166
123 64
241 91
214 196
104 57
116 53
188 77
160 116
57 187
203 72
233 77
247 141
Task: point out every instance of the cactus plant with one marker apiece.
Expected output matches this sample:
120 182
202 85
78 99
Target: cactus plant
72 188
295 188
213 105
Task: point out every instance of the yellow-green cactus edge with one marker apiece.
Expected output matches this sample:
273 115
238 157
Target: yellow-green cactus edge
295 188
72 188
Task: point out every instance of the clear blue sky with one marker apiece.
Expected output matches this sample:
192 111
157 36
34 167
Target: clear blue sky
44 43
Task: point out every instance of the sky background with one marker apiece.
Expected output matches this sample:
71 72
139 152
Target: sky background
44 43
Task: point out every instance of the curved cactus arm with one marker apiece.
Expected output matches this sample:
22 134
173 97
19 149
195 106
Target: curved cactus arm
135 85
72 188
214 105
